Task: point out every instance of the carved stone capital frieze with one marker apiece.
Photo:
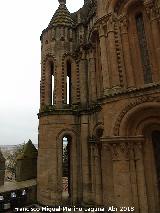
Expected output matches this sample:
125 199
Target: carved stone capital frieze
124 25
123 148
111 24
102 30
138 151
152 11
120 151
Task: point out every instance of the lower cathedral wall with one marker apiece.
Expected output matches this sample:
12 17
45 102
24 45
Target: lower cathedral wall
108 163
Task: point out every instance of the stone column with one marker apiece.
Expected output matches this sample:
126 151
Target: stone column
48 84
92 77
92 147
74 82
107 175
98 177
133 179
143 204
104 60
152 12
83 79
127 53
59 86
112 53
85 160
74 170
121 173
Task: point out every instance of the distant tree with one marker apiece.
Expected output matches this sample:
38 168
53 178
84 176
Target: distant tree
11 161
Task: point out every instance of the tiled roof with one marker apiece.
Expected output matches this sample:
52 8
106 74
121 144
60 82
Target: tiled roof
61 17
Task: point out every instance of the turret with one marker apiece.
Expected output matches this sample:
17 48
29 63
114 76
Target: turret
57 41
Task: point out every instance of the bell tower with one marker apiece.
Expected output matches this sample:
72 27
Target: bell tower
69 89
59 93
59 67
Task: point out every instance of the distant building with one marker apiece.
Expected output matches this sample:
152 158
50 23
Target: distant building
100 89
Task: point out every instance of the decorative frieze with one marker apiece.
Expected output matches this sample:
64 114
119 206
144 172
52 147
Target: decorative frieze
151 10
122 148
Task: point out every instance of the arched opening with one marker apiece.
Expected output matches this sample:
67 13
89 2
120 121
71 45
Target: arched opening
68 82
66 163
52 82
156 147
143 46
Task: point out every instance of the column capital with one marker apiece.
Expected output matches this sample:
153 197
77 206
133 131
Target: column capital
122 147
124 24
110 24
151 10
102 30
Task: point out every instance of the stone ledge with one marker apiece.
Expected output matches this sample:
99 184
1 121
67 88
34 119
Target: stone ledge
12 186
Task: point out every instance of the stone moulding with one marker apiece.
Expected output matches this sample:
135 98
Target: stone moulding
127 108
74 110
122 148
130 92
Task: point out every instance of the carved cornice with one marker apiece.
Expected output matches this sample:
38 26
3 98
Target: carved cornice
102 21
71 110
130 92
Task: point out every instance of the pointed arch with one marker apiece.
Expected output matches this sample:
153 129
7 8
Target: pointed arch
48 80
70 79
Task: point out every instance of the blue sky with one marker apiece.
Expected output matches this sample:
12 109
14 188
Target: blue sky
21 24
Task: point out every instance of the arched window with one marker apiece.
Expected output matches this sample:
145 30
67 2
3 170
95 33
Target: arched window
66 168
68 82
52 82
49 83
143 48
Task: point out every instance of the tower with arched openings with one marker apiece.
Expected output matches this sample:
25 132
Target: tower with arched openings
99 119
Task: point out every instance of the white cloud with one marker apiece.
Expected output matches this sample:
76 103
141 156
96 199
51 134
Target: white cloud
21 24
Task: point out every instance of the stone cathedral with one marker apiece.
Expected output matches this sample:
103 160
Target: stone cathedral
100 95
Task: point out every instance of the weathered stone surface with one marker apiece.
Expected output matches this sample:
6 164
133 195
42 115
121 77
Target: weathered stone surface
26 165
110 51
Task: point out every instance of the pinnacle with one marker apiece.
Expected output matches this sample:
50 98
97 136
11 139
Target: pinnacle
62 16
62 1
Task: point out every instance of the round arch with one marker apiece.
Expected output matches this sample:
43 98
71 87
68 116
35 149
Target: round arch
139 118
142 118
73 171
